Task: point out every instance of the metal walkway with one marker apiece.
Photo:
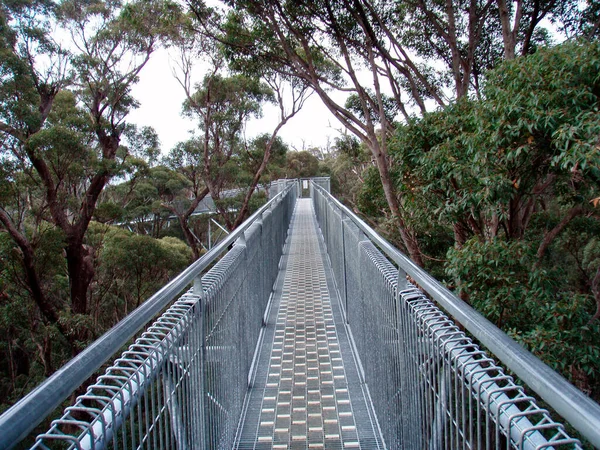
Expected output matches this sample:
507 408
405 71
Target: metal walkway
303 329
307 392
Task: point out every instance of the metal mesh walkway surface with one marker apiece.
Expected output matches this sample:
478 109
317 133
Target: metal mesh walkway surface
306 391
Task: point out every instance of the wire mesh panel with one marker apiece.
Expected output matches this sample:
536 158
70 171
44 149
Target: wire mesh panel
138 402
336 241
431 385
464 398
382 356
182 384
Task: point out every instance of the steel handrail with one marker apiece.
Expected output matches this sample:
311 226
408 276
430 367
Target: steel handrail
18 421
573 405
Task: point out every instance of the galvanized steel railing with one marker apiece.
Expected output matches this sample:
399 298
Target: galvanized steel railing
182 383
431 385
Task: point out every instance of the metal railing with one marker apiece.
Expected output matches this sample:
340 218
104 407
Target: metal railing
431 385
182 383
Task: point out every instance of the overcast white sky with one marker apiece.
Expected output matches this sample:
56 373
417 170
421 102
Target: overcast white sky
161 97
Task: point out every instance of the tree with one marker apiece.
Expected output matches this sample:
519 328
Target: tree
128 271
322 44
348 164
185 159
301 165
261 86
222 106
63 116
514 179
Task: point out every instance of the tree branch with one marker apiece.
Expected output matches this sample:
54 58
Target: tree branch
551 235
596 292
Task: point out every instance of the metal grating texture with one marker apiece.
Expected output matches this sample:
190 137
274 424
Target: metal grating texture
307 392
431 385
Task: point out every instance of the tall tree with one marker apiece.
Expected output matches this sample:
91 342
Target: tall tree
222 105
325 45
63 114
185 159
288 93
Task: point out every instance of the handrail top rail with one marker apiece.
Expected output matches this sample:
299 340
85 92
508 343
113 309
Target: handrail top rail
573 405
17 422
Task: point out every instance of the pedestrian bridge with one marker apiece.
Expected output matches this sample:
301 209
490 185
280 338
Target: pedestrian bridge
305 329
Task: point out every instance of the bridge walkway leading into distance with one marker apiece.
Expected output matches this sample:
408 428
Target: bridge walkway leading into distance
307 392
303 328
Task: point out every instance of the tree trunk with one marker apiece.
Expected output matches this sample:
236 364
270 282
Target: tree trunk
80 266
409 240
508 34
45 352
34 283
243 213
189 236
549 236
596 293
460 234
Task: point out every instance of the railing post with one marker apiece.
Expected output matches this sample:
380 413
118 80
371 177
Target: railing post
209 234
359 299
410 400
324 227
198 290
344 283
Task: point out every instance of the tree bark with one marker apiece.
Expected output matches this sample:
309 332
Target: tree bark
184 220
34 283
242 214
409 240
509 33
80 265
189 237
460 234
551 235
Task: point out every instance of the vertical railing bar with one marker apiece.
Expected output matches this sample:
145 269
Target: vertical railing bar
199 292
186 360
153 409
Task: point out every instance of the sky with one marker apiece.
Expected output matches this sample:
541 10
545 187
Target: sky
160 97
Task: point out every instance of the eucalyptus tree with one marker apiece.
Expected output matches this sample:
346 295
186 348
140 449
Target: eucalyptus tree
325 45
222 105
63 110
223 102
414 54
185 160
515 172
289 94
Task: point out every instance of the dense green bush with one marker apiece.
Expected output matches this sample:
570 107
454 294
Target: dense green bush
514 179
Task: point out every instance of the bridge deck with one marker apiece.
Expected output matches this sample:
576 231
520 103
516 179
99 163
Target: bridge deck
307 392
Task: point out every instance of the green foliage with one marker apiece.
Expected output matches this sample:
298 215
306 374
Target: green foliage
131 268
301 164
495 275
547 102
563 337
251 159
390 107
64 135
498 175
230 100
346 166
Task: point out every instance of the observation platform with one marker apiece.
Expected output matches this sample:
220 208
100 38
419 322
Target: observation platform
307 392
